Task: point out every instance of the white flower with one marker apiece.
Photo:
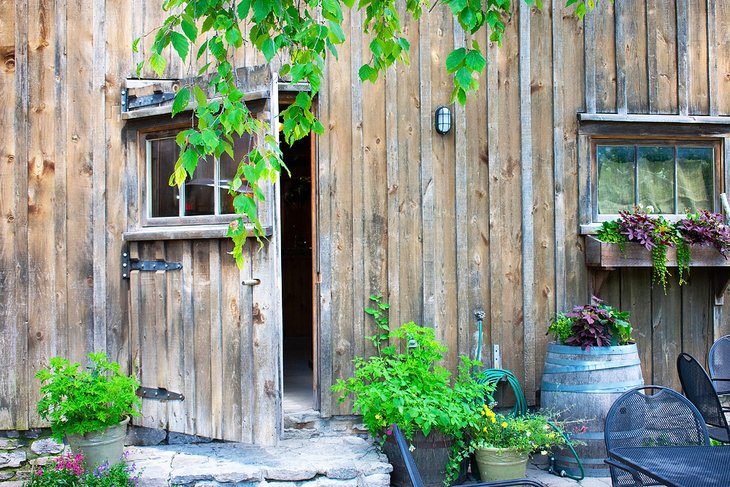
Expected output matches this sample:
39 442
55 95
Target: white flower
543 452
411 448
527 433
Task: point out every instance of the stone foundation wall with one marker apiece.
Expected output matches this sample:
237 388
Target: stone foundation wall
21 451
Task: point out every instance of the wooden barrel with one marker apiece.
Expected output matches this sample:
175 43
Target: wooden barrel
579 386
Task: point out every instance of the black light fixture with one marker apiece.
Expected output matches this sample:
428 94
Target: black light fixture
443 120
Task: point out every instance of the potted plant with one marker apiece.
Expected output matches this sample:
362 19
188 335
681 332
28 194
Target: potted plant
502 444
404 384
659 237
592 362
89 406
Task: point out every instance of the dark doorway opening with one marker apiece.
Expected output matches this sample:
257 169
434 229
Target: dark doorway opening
297 237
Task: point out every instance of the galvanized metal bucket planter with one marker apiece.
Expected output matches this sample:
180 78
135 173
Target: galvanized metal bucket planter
579 386
101 446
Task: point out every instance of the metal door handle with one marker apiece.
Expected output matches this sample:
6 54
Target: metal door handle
251 282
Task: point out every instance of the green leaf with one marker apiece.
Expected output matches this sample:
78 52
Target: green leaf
210 139
455 59
201 50
135 44
158 63
268 49
261 9
189 159
367 73
475 61
463 77
457 6
200 97
216 47
188 27
243 8
233 37
180 44
180 103
336 35
303 100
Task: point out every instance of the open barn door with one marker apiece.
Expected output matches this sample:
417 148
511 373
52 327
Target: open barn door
200 327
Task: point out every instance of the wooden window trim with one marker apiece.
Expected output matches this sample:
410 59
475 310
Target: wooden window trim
640 130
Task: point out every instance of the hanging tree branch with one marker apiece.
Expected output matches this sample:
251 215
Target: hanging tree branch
306 30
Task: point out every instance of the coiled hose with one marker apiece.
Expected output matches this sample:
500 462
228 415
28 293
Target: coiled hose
493 376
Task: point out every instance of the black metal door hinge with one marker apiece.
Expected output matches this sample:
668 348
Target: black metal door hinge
129 264
159 393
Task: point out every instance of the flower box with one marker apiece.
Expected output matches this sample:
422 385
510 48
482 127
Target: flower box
609 256
602 257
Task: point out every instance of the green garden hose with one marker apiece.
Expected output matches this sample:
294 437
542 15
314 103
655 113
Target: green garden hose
493 376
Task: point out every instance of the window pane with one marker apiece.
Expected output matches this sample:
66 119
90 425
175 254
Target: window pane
163 197
656 178
616 178
199 190
241 147
694 178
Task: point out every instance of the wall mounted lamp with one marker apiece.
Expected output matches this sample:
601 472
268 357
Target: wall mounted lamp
443 120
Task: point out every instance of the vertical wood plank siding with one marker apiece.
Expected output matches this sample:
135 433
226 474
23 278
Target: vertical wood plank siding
483 218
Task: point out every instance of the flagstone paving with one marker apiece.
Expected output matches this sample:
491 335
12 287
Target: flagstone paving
313 462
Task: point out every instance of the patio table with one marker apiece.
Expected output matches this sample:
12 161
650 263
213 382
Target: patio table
679 466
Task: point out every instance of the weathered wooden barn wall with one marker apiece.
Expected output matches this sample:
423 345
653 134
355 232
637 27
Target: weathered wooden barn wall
488 216
485 218
62 195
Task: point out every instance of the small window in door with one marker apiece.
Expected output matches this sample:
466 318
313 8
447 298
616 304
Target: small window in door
670 177
203 199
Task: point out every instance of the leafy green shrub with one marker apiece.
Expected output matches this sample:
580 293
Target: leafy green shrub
80 400
410 389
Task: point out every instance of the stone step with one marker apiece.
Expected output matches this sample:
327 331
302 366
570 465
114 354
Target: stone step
327 461
310 424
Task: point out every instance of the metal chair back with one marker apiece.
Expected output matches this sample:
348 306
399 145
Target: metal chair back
650 416
698 388
417 481
718 363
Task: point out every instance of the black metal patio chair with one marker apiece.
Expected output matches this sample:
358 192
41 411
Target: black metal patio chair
698 388
650 416
415 476
718 364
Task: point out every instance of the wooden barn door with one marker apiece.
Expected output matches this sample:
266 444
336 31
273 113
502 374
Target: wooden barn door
206 331
209 331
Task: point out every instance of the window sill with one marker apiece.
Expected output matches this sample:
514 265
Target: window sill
185 232
601 258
